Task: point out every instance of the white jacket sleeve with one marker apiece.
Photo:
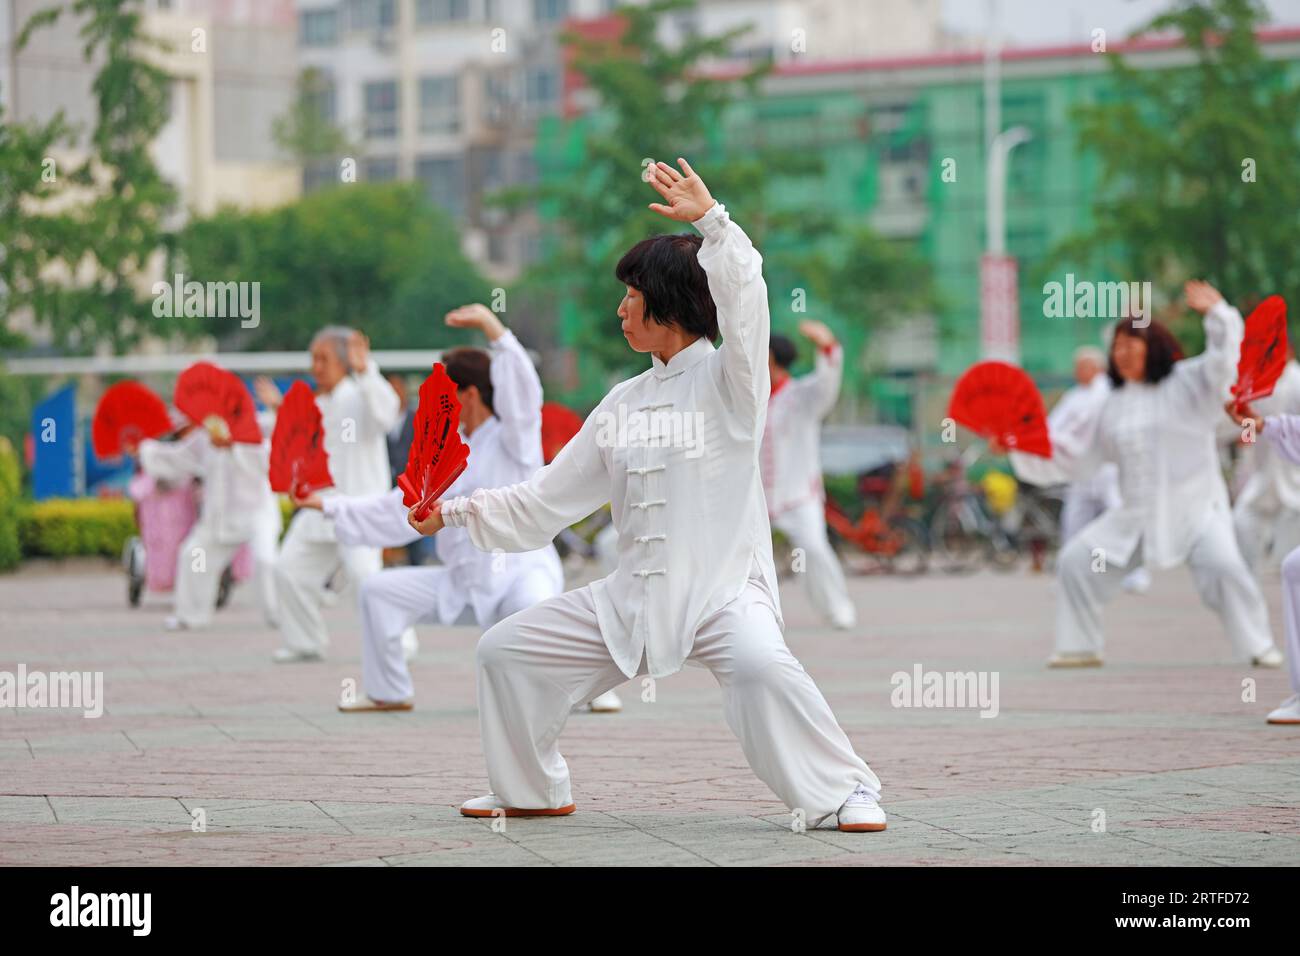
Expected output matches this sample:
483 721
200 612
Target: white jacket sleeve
380 407
175 461
1205 378
1283 433
735 271
516 398
528 515
374 521
828 372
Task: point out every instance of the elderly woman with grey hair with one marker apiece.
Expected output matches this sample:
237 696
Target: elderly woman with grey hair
358 408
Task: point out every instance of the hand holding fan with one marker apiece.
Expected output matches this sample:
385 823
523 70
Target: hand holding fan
1263 352
299 462
437 456
218 400
1000 402
127 413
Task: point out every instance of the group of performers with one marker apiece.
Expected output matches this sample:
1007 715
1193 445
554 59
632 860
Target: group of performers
693 579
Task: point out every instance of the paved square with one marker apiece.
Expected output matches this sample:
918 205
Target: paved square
1159 745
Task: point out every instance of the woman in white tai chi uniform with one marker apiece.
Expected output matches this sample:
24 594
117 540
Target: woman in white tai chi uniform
236 507
358 408
695 577
791 464
1158 425
1266 513
501 415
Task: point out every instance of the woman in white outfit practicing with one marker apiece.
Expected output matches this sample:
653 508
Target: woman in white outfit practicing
501 413
675 452
1158 425
236 507
791 464
358 408
1281 436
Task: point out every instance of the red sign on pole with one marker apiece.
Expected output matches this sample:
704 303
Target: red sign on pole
999 308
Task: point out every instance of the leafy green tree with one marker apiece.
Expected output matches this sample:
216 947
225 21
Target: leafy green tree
305 133
375 256
1198 163
108 219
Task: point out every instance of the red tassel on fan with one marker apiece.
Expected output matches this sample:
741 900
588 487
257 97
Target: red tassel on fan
438 456
1000 402
299 462
127 413
205 392
1263 352
559 425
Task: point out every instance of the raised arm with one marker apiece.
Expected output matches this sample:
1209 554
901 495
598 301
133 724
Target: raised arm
828 366
528 515
379 407
735 272
176 461
516 389
1208 375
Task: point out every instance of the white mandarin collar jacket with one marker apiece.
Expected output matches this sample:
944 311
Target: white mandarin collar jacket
686 494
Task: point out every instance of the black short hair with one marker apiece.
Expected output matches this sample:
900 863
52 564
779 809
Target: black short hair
784 351
1163 349
466 367
666 271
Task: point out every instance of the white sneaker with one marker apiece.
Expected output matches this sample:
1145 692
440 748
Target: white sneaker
1288 713
174 623
606 703
410 645
1075 659
1137 581
491 806
861 813
1271 658
284 655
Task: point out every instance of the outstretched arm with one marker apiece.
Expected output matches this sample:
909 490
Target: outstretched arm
374 521
1211 372
828 366
735 271
516 389
528 515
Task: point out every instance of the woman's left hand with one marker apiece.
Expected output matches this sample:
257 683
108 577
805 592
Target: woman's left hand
685 193
430 525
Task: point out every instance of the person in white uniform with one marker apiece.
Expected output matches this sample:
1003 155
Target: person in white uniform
1266 513
234 510
1158 425
675 452
790 462
1280 435
358 407
1071 424
501 414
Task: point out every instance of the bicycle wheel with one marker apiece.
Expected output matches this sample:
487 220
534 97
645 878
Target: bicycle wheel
913 557
957 546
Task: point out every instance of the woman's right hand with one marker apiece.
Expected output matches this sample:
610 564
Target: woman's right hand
1201 296
312 500
430 525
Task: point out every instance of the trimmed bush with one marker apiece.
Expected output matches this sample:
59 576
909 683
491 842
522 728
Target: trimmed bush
72 527
10 488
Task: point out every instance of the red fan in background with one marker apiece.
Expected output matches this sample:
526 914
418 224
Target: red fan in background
299 462
217 400
437 456
1000 402
559 425
1263 352
127 413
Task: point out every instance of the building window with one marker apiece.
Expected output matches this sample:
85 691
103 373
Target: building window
541 88
441 11
444 182
379 170
439 104
372 14
550 11
318 28
381 109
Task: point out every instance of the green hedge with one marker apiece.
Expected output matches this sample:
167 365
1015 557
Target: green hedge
71 527
10 506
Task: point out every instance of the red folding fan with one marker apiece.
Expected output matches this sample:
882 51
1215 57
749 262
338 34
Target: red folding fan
559 425
217 399
127 413
437 456
1000 402
1263 352
299 462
